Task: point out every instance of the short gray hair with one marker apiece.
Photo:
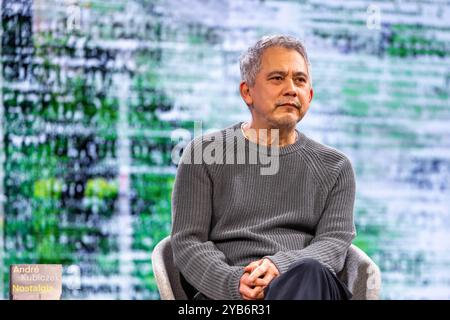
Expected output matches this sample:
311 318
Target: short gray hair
250 61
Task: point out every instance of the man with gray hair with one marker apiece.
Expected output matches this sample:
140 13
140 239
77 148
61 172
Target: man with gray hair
239 234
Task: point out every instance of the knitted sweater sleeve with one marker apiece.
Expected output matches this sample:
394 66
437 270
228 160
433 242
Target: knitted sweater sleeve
197 258
335 229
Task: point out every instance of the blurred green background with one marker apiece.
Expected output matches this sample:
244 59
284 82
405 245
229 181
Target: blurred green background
94 94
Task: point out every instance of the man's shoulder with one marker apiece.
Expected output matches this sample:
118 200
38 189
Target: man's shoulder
214 138
329 156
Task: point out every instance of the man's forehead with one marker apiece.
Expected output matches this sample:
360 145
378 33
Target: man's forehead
283 59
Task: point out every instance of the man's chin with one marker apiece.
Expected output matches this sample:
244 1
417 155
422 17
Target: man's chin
286 121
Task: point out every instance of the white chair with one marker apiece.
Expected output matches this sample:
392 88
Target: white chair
361 275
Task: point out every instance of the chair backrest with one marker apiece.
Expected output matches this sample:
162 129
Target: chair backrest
361 275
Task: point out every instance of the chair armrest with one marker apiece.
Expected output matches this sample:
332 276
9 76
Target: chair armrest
160 271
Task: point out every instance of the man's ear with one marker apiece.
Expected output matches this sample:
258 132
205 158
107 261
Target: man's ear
311 94
244 89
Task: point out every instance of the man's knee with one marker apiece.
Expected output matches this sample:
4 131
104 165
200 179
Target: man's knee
300 278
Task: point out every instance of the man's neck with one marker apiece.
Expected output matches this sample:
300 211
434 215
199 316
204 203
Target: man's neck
269 136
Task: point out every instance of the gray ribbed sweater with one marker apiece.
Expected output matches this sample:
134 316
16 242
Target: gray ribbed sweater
228 215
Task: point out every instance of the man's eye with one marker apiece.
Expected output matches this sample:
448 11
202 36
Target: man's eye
276 78
301 79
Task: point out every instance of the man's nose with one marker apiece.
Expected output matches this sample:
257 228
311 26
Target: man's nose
289 89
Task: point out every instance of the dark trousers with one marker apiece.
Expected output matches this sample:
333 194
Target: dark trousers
307 279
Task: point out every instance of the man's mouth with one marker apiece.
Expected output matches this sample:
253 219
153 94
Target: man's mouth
289 104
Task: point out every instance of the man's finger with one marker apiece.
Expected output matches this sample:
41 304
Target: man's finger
253 265
245 292
268 277
248 293
260 282
258 272
272 266
260 295
257 283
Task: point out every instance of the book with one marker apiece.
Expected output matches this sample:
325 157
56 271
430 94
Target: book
35 282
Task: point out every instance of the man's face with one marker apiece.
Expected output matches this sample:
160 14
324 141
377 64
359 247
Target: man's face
282 90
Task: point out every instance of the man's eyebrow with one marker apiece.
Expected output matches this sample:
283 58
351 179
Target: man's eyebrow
300 74
283 73
276 72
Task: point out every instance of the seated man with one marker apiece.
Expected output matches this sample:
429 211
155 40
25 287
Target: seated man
245 230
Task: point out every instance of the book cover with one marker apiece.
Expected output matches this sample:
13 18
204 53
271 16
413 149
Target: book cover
35 282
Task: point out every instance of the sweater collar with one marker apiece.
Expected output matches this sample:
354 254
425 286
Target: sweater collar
267 150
